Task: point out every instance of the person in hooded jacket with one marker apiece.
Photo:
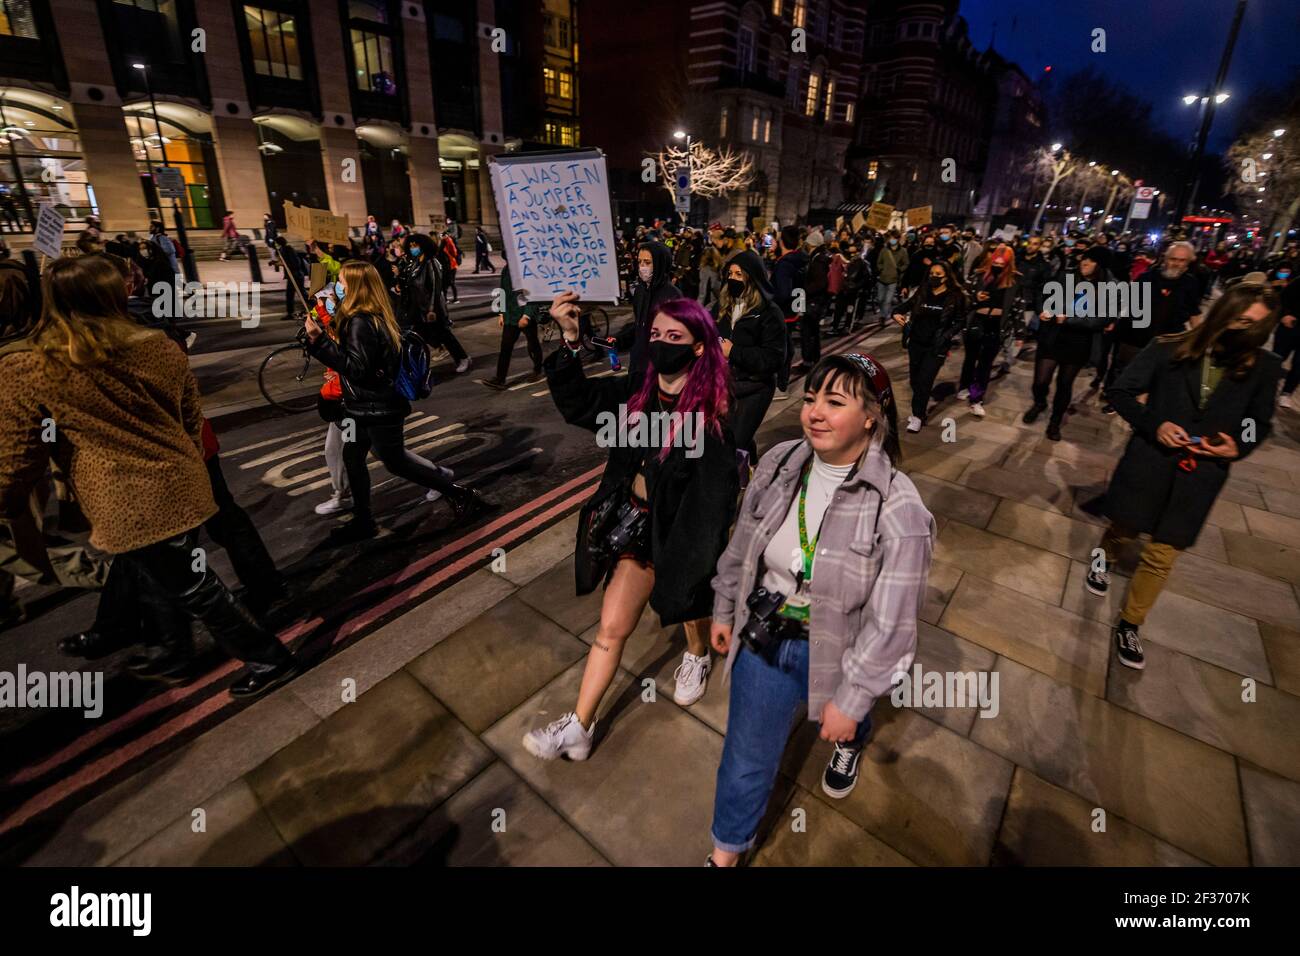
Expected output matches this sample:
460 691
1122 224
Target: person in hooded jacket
1066 343
424 305
652 287
930 319
753 339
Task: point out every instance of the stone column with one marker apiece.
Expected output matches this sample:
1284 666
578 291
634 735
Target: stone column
101 126
338 138
422 149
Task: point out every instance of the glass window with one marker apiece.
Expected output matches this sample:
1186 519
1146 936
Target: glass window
767 126
814 90
16 19
722 131
777 6
848 112
372 56
566 85
562 33
745 50
913 29
753 126
274 40
830 99
548 81
800 13
376 11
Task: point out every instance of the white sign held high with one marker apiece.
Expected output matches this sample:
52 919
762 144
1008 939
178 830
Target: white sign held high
556 224
48 240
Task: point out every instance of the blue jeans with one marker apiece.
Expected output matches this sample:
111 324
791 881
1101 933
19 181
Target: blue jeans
766 699
886 293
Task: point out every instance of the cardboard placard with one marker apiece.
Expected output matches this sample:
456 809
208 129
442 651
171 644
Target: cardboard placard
858 221
319 224
920 216
879 215
556 224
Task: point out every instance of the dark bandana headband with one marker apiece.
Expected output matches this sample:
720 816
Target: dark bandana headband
876 372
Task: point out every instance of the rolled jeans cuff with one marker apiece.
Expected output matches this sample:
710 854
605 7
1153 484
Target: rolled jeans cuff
732 847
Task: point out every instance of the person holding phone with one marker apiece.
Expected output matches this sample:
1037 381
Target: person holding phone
817 595
1209 402
653 530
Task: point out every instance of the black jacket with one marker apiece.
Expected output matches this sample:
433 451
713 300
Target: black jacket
1077 340
1035 272
692 500
420 281
757 337
789 272
932 325
367 363
645 299
1149 493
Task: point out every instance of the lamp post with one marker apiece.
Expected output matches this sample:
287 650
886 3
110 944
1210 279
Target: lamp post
1111 198
681 135
187 261
1060 169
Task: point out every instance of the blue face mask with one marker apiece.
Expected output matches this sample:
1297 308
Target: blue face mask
338 291
330 305
416 252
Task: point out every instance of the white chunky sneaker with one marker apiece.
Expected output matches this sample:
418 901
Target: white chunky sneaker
464 365
977 409
963 394
334 504
913 423
692 676
560 738
448 474
1285 401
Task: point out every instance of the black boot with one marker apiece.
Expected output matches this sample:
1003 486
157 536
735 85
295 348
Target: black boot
1054 429
255 683
360 528
467 505
1031 416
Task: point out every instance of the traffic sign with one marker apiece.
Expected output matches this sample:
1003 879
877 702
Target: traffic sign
682 192
1146 193
170 182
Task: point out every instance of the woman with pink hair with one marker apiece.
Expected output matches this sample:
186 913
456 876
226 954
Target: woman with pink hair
655 527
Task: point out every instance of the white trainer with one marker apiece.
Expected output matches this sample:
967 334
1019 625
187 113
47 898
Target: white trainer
334 504
913 423
977 409
963 394
463 365
449 475
692 676
560 738
1285 401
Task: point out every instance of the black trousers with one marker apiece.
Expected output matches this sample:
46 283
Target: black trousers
440 333
1287 342
482 261
922 369
384 436
746 415
783 374
1065 372
509 336
810 328
233 530
1109 344
1124 353
977 362
166 574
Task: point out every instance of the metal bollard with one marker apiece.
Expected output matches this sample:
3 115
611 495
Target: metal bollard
254 266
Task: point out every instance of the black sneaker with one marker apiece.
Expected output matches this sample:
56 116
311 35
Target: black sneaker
1098 582
1031 416
468 507
256 683
841 774
1053 430
358 529
1128 646
495 383
1108 409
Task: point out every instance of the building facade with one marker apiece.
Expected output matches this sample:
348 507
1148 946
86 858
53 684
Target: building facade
1019 130
383 107
927 110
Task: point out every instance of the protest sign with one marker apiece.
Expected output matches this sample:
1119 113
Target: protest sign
879 215
920 216
556 225
48 240
318 224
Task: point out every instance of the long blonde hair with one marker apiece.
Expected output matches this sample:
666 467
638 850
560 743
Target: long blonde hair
84 320
366 295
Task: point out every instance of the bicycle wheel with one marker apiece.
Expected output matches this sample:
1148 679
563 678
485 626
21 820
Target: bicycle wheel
289 379
599 320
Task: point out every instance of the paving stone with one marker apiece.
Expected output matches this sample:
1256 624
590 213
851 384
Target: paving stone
349 787
935 462
1210 544
539 554
381 654
1228 514
827 839
1273 527
955 501
645 795
1048 530
1027 569
1205 702
1065 646
1058 471
1263 556
1235 589
943 652
1019 486
495 662
1120 761
1261 474
1282 502
1243 492
117 821
1181 623
1272 805
553 594
929 793
1047 826
494 820
237 833
939 586
1283 649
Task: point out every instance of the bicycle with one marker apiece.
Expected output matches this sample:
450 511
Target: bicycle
593 322
289 378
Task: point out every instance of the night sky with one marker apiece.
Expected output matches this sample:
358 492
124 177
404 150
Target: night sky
1159 49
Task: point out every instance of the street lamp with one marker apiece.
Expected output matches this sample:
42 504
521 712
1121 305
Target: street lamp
1189 99
1278 132
1221 97
1056 147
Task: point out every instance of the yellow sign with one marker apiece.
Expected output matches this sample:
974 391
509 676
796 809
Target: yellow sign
319 224
920 216
839 223
879 215
858 222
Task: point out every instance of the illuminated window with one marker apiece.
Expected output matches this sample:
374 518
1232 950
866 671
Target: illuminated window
753 127
722 131
814 89
767 126
372 54
848 112
16 19
777 6
800 12
273 37
873 168
830 99
566 85
548 80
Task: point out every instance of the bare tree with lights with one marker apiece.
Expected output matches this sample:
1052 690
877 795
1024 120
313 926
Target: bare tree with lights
1049 164
1264 174
714 172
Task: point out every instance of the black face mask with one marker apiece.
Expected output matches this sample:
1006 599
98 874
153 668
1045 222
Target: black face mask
935 283
670 359
736 287
1233 341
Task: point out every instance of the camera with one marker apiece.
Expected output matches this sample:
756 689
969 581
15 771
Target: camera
765 629
630 523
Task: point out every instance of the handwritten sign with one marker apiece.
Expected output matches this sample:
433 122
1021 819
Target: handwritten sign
919 216
879 215
318 224
556 223
48 240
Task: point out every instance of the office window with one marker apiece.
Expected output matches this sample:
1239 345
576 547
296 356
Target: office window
376 11
753 126
745 50
549 82
16 19
566 85
848 112
777 7
722 126
767 126
873 169
814 91
372 54
274 39
830 99
913 29
800 13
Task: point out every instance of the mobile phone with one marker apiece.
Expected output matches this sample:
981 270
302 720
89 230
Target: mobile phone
1194 439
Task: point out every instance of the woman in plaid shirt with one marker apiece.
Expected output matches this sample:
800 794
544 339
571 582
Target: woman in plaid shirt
833 503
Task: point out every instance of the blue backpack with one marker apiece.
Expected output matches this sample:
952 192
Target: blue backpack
414 379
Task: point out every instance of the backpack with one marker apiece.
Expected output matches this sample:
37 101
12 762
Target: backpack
414 379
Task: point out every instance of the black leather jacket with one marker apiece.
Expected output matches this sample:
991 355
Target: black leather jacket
420 281
367 363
